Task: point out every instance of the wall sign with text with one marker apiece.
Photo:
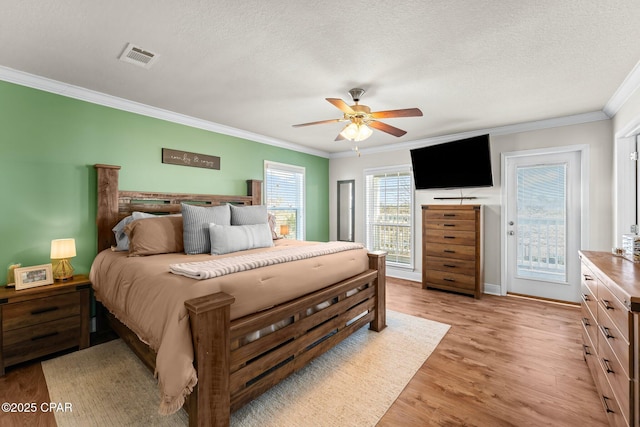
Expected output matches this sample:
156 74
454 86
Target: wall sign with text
184 158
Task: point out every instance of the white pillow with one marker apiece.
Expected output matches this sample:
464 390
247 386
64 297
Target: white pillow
232 238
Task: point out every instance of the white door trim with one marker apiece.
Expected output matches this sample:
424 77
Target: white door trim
583 149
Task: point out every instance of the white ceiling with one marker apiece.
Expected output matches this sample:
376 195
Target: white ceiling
262 66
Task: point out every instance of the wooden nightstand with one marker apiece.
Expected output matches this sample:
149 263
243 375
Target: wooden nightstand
43 320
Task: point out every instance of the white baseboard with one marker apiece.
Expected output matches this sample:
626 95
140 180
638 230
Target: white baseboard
491 289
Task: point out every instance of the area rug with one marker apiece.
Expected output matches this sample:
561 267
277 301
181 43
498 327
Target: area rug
353 384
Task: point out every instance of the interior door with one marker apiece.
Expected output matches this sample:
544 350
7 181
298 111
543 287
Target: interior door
543 225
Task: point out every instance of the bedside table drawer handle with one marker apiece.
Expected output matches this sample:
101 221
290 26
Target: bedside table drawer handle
43 336
449 251
44 310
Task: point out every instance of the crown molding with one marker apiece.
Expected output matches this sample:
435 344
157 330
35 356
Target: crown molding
53 86
624 91
501 130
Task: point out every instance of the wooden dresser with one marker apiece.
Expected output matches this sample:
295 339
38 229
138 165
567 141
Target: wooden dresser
610 312
452 248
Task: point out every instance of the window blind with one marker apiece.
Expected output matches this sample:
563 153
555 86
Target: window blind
389 213
284 197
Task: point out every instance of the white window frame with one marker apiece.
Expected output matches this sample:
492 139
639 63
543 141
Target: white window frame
368 235
301 217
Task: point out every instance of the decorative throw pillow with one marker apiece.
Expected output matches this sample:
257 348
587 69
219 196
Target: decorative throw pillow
233 238
248 215
122 240
158 235
196 226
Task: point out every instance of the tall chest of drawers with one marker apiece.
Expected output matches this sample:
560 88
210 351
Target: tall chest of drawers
610 332
452 248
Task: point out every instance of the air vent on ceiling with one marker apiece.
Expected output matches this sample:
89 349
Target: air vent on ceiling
138 56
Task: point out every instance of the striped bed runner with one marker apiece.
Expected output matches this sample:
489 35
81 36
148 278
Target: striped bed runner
223 266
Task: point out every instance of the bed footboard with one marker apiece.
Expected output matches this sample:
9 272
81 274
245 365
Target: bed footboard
232 372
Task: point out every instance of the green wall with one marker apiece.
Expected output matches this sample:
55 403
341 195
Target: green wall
49 144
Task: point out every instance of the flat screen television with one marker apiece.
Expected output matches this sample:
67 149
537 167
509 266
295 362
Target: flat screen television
456 164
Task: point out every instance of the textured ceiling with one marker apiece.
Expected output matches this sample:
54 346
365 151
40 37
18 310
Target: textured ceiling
261 66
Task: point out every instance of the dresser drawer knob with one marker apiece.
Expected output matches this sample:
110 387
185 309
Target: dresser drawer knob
449 237
606 405
585 321
585 298
607 366
606 305
449 225
44 310
449 265
43 336
607 332
586 350
587 277
449 214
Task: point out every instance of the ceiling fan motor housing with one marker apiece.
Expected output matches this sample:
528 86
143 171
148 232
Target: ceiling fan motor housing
356 94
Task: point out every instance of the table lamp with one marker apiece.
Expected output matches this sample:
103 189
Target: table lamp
284 230
62 250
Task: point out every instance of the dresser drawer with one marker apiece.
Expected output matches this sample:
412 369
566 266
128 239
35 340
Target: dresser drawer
450 265
33 312
617 377
450 251
590 326
608 399
450 225
589 280
611 335
39 340
589 300
462 281
614 309
445 214
449 237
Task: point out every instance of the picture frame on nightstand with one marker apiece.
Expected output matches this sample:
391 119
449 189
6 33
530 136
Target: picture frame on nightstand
34 276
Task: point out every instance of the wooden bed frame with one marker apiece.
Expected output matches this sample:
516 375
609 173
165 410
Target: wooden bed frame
230 374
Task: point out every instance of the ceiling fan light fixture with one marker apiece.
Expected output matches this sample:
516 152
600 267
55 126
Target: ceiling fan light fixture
356 132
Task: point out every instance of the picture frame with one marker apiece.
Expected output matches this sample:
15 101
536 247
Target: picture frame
32 277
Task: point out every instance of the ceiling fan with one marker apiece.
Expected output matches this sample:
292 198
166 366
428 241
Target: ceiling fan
362 119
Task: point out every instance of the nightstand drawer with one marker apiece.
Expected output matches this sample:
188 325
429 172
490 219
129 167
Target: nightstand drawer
450 237
39 340
36 311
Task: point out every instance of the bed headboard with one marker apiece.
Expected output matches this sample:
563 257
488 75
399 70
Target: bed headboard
114 204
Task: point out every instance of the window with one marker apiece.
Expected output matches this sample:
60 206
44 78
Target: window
284 197
389 213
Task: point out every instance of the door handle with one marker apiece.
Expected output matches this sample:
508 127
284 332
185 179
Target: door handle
511 233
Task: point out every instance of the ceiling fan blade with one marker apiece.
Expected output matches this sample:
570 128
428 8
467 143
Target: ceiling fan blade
341 105
386 128
407 112
317 123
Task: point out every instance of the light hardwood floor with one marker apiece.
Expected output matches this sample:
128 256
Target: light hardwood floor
506 361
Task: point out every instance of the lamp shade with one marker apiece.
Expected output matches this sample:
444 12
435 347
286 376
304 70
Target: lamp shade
284 229
356 132
63 248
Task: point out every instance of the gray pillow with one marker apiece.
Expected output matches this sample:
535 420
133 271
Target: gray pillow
196 220
122 240
248 215
233 238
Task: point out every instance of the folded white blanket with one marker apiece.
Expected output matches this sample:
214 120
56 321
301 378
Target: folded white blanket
222 266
